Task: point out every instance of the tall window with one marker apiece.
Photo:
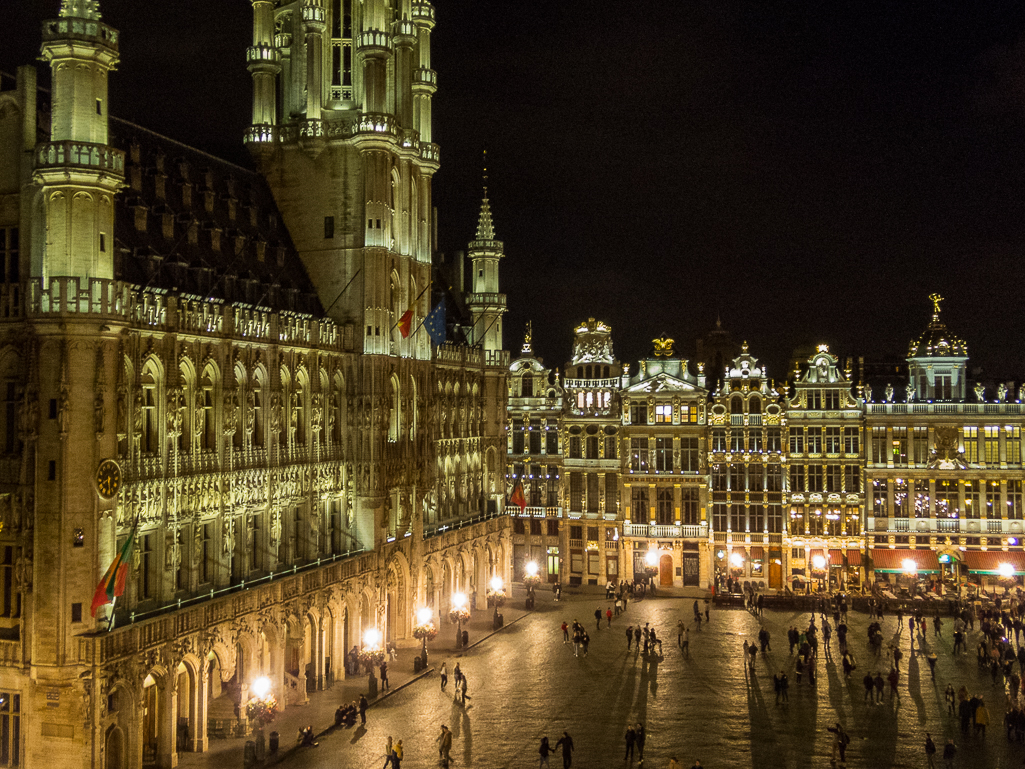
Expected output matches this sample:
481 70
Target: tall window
149 439
593 497
611 493
639 503
774 479
576 491
943 391
205 404
816 477
852 479
831 399
737 440
814 440
719 440
738 521
796 440
833 479
797 479
880 502
773 439
899 446
920 445
575 447
205 553
689 459
535 436
832 440
639 455
755 478
922 499
664 455
814 399
851 445
947 502
147 571
991 445
551 441
537 473
971 444
1014 500
592 447
638 413
901 503
690 513
663 413
10 417
755 440
879 448
972 507
775 518
664 505
1012 439
9 249
10 727
552 496
992 499
610 447
719 517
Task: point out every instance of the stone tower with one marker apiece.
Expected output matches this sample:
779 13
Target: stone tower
74 319
485 303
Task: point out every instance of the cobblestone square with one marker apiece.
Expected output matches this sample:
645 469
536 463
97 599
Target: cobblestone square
525 683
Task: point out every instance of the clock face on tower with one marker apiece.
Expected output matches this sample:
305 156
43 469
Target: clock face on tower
108 479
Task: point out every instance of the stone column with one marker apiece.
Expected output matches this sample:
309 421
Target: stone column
201 693
167 723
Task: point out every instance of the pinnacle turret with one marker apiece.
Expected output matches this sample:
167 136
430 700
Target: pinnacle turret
485 226
81 9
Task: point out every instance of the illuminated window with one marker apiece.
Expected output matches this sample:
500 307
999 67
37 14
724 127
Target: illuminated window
851 445
920 445
899 446
1014 500
797 479
796 441
639 455
971 445
663 413
832 440
991 445
718 440
816 477
814 440
664 455
1012 439
972 508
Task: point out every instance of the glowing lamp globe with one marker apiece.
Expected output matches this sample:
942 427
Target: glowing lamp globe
651 558
458 600
497 584
818 562
424 615
261 687
372 638
736 560
1006 570
531 569
909 565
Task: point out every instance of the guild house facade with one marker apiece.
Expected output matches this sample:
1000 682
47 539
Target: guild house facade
845 474
243 372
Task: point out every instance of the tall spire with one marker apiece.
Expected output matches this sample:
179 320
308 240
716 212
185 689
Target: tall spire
81 9
485 227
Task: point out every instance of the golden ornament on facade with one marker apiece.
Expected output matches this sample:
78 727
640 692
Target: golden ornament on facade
663 347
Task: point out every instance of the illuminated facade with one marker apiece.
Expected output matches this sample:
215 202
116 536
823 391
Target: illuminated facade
746 461
665 476
944 466
215 355
825 463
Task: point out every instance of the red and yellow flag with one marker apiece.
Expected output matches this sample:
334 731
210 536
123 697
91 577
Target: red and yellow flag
113 583
406 322
518 498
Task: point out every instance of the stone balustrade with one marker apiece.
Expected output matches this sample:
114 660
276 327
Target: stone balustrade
74 154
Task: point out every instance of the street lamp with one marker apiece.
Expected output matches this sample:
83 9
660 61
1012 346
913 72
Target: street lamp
424 630
496 596
818 566
371 655
458 614
261 708
531 579
651 565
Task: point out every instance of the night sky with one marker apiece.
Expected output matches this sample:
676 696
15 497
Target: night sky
807 171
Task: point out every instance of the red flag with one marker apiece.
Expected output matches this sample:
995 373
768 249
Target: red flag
406 323
517 497
113 583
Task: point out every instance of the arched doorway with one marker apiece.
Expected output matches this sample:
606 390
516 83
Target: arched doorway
114 748
665 571
151 717
185 723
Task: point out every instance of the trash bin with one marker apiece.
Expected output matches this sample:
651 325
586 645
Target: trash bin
272 744
249 755
417 664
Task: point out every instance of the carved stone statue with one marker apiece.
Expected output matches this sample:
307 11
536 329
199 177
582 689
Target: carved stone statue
1002 393
98 414
980 392
909 391
888 393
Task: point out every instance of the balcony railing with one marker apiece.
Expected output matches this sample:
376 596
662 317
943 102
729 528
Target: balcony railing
72 154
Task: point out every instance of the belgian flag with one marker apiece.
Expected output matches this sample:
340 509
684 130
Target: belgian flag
113 583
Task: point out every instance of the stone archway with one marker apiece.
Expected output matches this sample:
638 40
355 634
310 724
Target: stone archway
114 752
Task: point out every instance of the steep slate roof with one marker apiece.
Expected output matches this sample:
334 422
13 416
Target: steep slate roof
191 222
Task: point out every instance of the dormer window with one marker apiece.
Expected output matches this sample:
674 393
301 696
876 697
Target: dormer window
943 388
663 413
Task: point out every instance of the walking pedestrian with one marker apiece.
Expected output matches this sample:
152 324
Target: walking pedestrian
565 632
708 617
597 618
949 754
444 675
637 638
679 633
685 646
931 659
384 675
869 687
777 685
629 636
840 742
362 710
388 754
948 695
544 750
444 741
879 684
458 675
640 737
567 749
608 617
396 755
785 686
631 739
930 751
465 695
894 679
981 718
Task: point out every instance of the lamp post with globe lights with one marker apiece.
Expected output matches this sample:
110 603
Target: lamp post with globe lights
910 567
371 655
425 630
496 598
531 579
651 567
458 614
818 568
261 709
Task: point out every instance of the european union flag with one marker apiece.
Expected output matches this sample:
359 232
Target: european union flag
435 323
